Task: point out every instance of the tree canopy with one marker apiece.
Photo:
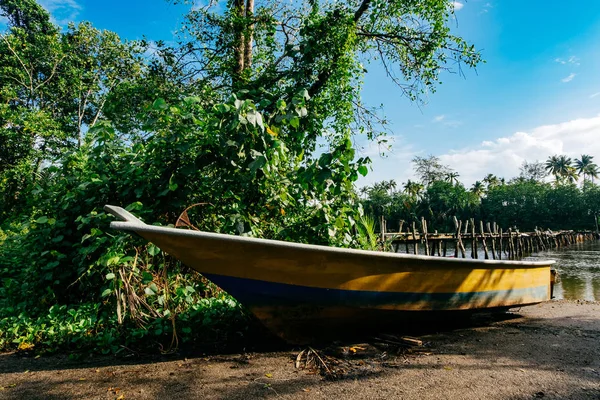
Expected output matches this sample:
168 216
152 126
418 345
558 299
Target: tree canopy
252 112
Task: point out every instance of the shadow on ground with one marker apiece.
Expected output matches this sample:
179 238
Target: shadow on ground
530 354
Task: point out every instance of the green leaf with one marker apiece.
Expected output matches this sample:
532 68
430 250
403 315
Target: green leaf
153 250
281 105
257 164
160 104
192 100
110 276
363 170
134 206
42 220
106 292
295 122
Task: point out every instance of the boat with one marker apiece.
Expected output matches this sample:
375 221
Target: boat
300 291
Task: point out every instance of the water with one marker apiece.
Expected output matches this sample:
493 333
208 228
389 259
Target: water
579 269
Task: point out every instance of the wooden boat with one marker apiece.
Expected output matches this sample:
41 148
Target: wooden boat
300 291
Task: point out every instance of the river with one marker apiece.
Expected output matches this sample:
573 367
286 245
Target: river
579 269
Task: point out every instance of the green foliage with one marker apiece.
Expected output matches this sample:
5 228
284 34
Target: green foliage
365 230
85 121
525 204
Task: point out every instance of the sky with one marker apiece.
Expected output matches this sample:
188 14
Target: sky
537 94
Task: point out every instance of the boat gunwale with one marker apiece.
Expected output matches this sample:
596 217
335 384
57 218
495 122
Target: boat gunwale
130 223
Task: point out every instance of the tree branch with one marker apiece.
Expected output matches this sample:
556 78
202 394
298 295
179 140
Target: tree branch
326 74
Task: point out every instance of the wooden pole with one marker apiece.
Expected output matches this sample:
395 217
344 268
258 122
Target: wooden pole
424 228
485 250
474 241
414 232
500 249
493 239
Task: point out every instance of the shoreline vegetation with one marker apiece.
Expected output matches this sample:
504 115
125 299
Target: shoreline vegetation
251 113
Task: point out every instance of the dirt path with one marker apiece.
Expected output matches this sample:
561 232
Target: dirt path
549 351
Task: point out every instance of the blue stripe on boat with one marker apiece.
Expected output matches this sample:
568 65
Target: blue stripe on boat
253 292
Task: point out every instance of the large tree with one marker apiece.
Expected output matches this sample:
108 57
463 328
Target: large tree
53 88
430 169
535 171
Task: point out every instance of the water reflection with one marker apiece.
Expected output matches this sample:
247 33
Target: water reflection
579 269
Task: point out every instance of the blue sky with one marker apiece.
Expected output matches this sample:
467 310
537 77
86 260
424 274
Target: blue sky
537 94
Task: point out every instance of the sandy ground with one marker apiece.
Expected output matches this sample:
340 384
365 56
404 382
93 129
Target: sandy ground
547 351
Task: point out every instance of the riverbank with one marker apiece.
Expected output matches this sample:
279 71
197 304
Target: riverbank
544 351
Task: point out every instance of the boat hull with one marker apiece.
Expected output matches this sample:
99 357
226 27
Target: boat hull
293 288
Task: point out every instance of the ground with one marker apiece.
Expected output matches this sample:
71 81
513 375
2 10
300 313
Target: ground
549 351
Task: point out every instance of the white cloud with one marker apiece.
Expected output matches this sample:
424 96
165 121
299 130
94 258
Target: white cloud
447 122
571 60
62 11
391 160
594 95
486 8
457 5
568 78
504 156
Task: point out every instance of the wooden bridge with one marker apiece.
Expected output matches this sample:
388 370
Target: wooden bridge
470 237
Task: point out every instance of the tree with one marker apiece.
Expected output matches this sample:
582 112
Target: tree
586 167
591 198
53 88
390 186
535 171
592 172
233 113
561 167
478 189
413 189
452 177
429 169
491 181
443 200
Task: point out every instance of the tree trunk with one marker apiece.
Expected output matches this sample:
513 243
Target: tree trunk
238 6
249 35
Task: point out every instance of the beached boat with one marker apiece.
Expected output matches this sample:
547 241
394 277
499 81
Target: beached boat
300 291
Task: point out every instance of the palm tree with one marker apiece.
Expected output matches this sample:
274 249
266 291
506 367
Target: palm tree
491 181
552 166
478 189
391 186
452 177
413 189
561 168
571 175
585 166
592 171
